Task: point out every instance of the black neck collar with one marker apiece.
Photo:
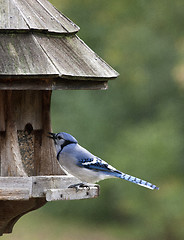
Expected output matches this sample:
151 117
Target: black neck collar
62 146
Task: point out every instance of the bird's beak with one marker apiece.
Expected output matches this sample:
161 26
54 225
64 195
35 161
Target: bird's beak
52 135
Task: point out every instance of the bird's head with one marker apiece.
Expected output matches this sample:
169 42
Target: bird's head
62 139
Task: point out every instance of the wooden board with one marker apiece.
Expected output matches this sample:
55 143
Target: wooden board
27 108
2 109
24 55
49 187
11 164
42 183
33 83
10 17
37 17
74 59
20 15
71 194
16 183
14 194
47 164
21 55
58 16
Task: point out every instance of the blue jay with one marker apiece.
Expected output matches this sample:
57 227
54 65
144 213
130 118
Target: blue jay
82 164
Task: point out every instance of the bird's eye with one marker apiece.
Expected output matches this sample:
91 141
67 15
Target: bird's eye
59 138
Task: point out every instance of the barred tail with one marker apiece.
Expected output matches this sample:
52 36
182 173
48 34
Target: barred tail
138 181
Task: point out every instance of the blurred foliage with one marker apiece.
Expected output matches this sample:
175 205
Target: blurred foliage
136 125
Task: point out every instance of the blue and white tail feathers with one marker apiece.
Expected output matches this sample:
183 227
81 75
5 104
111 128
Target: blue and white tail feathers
138 181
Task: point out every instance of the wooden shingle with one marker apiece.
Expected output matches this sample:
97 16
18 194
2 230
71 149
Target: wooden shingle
22 55
29 15
74 59
10 17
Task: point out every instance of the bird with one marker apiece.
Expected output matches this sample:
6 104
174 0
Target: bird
85 166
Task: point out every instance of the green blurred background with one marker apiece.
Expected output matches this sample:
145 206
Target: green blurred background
136 125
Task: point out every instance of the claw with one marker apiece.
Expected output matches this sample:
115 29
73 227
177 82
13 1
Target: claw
78 186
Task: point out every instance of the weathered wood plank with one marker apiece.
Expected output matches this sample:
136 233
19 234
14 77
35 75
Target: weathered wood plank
10 16
23 83
58 16
27 108
2 152
37 17
14 194
16 183
73 58
22 55
11 165
48 164
33 14
72 194
2 112
38 56
30 16
42 183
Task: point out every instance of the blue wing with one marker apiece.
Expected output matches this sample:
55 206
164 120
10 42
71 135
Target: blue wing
98 165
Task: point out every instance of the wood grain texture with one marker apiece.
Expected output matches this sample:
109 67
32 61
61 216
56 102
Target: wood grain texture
14 194
11 211
37 17
2 152
10 16
22 83
21 55
42 183
20 15
27 108
2 111
12 164
48 162
16 182
71 194
59 17
40 15
41 56
74 59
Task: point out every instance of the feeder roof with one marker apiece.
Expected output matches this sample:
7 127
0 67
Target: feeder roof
37 41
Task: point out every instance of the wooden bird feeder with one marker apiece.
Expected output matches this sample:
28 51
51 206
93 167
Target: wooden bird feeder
39 52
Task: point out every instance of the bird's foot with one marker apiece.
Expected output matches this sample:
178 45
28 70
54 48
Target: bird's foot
79 185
